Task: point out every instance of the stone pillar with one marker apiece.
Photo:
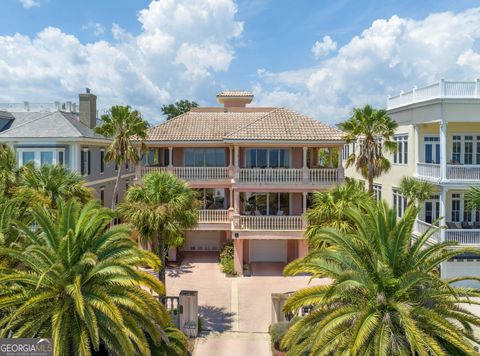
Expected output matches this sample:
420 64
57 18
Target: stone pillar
188 302
443 148
304 166
238 256
302 248
236 205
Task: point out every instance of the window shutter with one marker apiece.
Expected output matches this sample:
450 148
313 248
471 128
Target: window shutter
82 163
89 165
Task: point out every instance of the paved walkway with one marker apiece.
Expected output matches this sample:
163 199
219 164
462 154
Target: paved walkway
235 311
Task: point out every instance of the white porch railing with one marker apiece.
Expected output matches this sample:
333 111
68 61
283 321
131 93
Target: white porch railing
463 172
441 89
323 175
421 227
271 175
429 170
463 236
192 173
213 216
282 223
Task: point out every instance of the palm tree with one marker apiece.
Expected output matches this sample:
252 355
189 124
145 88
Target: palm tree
329 207
473 198
48 184
416 191
123 126
80 284
386 298
8 171
373 130
161 208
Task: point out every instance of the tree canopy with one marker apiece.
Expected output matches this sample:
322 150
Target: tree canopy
178 108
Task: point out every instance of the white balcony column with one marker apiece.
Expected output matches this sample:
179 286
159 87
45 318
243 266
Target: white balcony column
236 167
305 168
230 156
231 198
170 157
305 150
304 201
443 210
236 204
443 148
341 172
416 144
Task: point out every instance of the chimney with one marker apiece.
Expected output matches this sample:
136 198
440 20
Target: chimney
234 98
88 109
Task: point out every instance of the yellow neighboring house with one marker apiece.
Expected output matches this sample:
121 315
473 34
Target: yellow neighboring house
438 139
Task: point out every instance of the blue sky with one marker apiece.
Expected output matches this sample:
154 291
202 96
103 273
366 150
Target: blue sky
147 53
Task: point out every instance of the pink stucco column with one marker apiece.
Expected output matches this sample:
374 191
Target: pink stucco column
302 248
238 256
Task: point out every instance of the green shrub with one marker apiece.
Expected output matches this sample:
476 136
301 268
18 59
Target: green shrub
226 259
277 331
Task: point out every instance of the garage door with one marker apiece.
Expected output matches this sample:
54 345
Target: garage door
202 241
461 269
267 251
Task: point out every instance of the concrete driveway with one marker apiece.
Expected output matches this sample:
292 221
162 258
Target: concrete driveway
237 310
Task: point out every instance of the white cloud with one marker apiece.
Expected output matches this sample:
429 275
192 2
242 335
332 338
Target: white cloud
27 4
321 49
182 44
391 55
95 27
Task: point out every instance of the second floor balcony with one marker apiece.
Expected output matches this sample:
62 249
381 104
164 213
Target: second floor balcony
457 172
465 234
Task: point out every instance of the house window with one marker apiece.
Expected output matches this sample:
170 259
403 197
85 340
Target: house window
267 157
205 157
61 158
46 158
41 156
346 152
455 207
401 155
377 192
102 160
399 203
102 195
85 168
212 198
266 204
431 209
28 156
465 149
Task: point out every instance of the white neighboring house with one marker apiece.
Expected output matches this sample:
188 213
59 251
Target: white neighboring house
438 139
63 134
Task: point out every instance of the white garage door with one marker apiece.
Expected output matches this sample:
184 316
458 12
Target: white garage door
462 269
202 241
267 251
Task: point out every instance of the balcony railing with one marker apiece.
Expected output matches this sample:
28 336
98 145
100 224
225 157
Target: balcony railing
271 175
421 227
461 172
213 216
441 89
280 223
463 236
192 173
288 175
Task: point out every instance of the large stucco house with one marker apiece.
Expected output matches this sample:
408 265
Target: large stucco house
55 133
255 168
438 140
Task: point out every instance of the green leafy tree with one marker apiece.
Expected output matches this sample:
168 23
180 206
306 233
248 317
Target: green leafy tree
373 130
161 208
49 184
80 284
124 126
179 108
416 191
386 296
329 209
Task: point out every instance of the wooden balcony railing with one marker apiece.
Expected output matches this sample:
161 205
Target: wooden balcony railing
279 223
213 216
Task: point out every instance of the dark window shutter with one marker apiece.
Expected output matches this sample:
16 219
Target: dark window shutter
89 165
82 163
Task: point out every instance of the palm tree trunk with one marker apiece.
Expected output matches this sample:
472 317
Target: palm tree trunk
161 254
117 183
370 178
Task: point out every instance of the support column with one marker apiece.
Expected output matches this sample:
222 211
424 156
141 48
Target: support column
443 210
305 149
138 166
416 145
304 202
238 256
304 167
236 204
170 157
341 171
236 167
230 164
302 248
443 148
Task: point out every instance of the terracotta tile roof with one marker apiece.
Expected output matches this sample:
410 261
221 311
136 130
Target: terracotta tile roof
243 124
